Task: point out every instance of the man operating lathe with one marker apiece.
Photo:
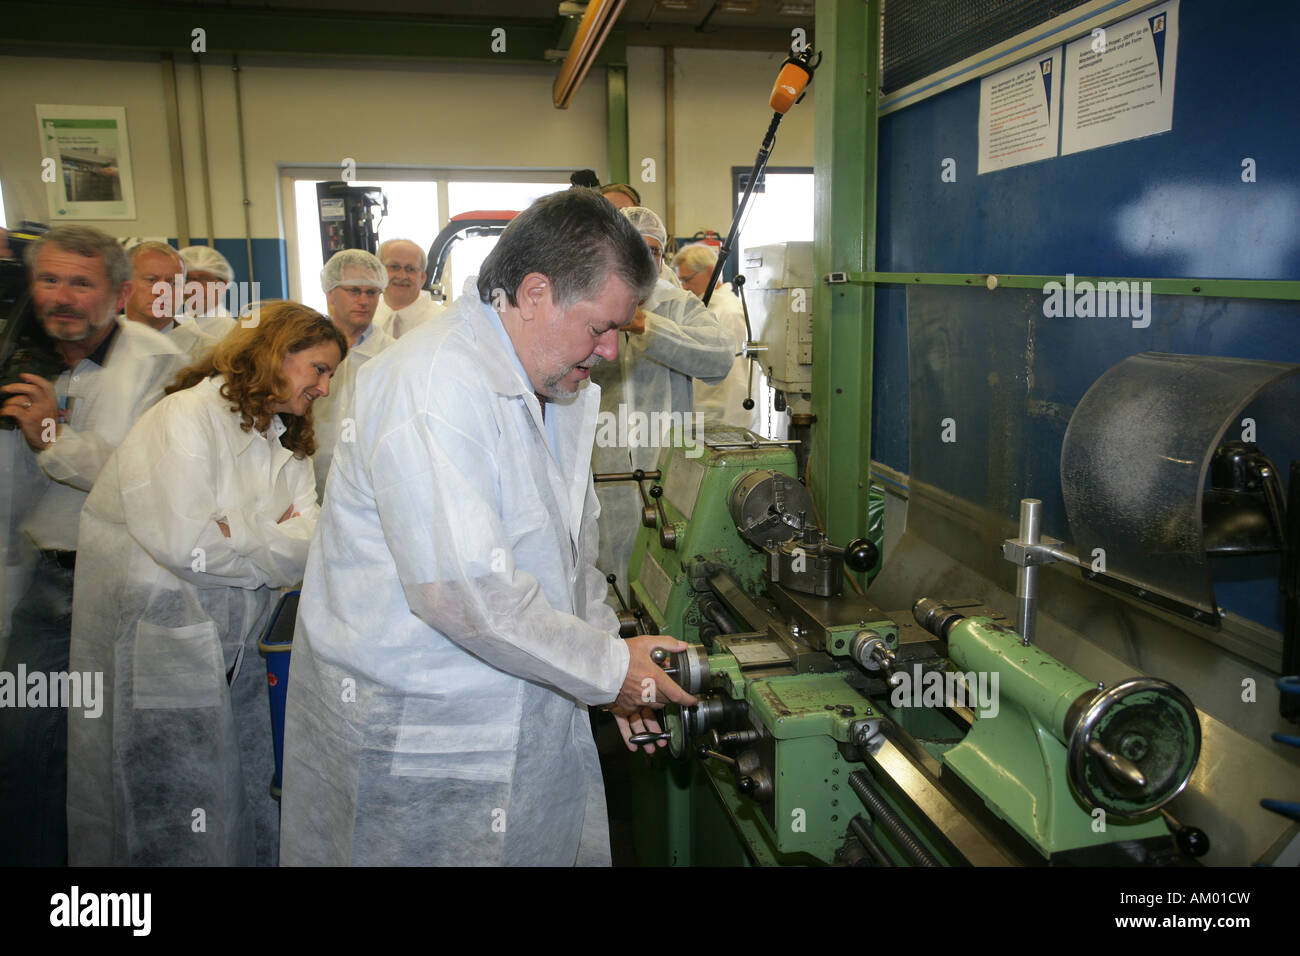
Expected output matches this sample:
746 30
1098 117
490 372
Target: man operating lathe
452 627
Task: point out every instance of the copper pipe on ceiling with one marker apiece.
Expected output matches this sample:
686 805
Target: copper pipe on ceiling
592 32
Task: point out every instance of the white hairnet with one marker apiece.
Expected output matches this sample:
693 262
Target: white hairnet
647 222
365 269
207 259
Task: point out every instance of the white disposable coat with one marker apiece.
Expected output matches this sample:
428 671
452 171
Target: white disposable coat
396 324
451 630
330 413
218 323
192 340
41 494
682 340
102 405
723 404
164 604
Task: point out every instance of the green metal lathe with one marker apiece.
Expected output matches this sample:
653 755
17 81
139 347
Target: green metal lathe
830 730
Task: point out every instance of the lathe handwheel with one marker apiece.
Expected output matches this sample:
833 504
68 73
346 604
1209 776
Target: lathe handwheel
1153 727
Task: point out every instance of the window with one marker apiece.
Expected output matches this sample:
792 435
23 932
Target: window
418 209
780 210
467 254
412 214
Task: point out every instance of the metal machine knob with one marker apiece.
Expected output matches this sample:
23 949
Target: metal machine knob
861 555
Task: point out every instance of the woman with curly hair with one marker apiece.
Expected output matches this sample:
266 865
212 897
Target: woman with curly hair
204 511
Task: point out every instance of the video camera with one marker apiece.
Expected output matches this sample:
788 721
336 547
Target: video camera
24 346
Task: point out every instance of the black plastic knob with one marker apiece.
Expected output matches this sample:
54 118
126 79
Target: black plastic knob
747 404
1192 841
747 786
656 491
861 555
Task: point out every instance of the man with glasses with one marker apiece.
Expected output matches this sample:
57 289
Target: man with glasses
406 302
352 281
672 339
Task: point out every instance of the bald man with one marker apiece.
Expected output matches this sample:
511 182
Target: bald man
406 302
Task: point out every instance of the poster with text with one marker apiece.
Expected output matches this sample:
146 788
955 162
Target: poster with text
87 162
1119 81
1020 113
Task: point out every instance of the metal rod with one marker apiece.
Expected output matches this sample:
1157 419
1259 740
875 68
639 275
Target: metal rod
243 167
670 145
885 815
760 164
203 155
1031 517
1284 289
173 114
1064 556
868 841
713 610
625 476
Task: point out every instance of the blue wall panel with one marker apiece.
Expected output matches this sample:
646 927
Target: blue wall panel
1169 205
1166 205
269 259
891 393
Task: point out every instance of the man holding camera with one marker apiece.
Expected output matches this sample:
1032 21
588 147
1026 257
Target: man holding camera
113 370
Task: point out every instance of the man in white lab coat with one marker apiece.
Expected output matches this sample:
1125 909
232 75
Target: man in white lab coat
406 303
673 339
114 371
352 281
208 278
722 403
452 631
157 299
623 196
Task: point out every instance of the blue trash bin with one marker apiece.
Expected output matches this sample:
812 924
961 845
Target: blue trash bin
275 645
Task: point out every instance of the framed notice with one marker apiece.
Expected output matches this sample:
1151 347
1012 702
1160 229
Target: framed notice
1119 82
86 167
1020 113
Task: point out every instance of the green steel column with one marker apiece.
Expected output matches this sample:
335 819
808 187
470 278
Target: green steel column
616 99
846 88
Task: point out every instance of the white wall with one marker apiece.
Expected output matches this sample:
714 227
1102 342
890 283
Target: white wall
721 115
440 114
297 112
645 120
26 81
